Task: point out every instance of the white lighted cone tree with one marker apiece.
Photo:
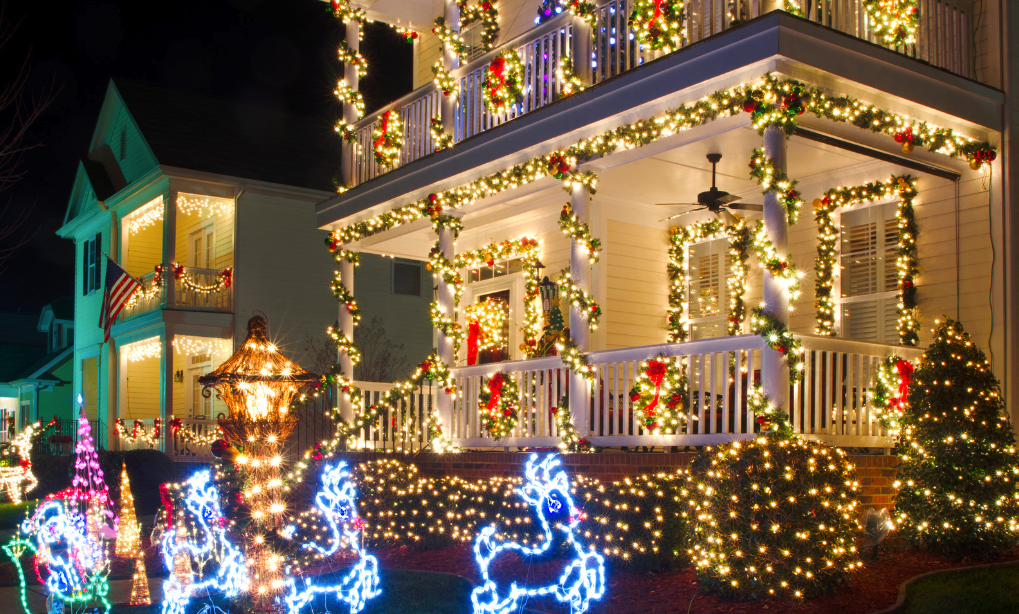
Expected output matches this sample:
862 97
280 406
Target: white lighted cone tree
129 542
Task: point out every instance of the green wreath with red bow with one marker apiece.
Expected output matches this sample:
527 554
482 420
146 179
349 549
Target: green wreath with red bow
503 83
657 23
659 395
387 139
499 404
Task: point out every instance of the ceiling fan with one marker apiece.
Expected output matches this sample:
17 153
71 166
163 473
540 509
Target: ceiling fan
713 200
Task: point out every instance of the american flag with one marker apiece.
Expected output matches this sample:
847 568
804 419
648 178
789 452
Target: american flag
119 288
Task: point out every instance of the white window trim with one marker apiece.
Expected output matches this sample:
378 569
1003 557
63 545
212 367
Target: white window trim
723 313
514 282
837 286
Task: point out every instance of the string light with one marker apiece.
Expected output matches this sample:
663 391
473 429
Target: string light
486 12
895 21
569 82
145 216
778 337
775 181
19 480
485 322
889 392
574 295
387 139
498 405
204 206
659 395
658 24
197 346
583 579
143 350
502 87
129 542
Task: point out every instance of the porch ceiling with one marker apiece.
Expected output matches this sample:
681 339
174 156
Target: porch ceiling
417 14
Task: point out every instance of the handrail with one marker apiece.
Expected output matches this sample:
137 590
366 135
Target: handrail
530 364
685 348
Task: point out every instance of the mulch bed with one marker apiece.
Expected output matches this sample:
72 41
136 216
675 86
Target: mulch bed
873 588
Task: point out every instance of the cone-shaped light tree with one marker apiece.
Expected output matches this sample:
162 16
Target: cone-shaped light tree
129 541
958 474
89 491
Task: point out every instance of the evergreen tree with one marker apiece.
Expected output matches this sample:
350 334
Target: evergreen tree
555 320
958 474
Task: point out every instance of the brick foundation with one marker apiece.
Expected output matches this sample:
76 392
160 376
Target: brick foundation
875 473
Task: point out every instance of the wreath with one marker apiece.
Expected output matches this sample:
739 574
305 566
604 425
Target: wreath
894 20
499 401
387 139
659 395
657 24
890 391
503 84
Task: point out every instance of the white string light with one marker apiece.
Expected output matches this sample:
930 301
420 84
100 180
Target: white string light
141 350
145 216
207 206
196 346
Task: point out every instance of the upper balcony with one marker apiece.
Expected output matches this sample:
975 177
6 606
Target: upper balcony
943 39
194 271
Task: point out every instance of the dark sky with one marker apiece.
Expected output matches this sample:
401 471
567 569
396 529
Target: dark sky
273 52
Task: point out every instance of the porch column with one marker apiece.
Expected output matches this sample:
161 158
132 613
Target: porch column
775 375
346 320
580 49
768 6
112 394
451 61
166 381
169 247
580 271
446 303
348 151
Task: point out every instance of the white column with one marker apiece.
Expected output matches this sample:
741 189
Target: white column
775 375
349 112
580 49
580 271
166 369
346 320
768 6
169 246
445 345
112 394
447 104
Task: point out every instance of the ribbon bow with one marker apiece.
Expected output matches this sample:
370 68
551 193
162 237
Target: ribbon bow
473 338
495 386
498 68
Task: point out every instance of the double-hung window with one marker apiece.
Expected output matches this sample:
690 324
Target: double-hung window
707 291
868 297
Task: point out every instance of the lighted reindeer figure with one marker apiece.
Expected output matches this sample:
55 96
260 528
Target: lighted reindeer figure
337 501
547 490
204 559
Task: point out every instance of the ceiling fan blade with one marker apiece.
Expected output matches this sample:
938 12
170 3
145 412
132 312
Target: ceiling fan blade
683 213
677 204
728 198
729 218
745 206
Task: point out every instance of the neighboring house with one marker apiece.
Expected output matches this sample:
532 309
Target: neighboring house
210 203
35 366
674 284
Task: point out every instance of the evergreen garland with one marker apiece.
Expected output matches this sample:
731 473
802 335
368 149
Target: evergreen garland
660 395
657 24
502 87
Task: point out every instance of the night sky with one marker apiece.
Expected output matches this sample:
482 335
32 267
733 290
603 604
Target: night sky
273 52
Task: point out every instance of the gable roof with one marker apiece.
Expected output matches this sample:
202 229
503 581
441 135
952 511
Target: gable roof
41 367
215 135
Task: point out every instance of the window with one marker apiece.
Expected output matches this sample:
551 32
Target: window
203 244
497 354
200 406
406 278
26 413
868 299
499 269
472 37
707 290
90 272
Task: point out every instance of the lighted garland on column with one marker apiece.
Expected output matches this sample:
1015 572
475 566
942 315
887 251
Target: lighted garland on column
441 138
499 405
902 188
659 395
889 393
349 56
777 264
570 441
772 180
450 38
778 337
387 138
568 79
768 419
445 82
502 88
576 296
578 231
895 21
658 24
487 13
346 297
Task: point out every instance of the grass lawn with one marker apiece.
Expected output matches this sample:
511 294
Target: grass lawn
11 514
978 591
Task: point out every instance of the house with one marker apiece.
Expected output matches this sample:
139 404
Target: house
36 367
715 157
210 204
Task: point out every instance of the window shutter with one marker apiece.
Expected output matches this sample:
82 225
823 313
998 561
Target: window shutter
97 249
85 253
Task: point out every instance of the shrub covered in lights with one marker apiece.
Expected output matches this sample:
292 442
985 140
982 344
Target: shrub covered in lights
958 468
773 517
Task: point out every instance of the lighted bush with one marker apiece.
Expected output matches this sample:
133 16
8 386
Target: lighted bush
773 517
957 457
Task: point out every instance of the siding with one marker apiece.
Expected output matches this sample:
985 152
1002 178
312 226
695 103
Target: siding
405 318
138 160
224 229
144 250
142 390
637 294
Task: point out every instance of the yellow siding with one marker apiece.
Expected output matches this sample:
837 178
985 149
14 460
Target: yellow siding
428 53
144 250
636 298
224 228
142 389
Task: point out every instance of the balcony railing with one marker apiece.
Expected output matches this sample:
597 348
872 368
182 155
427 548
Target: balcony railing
145 300
943 40
194 289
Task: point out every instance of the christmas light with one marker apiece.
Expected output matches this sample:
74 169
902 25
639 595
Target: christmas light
659 395
502 87
568 79
387 139
658 24
775 181
576 296
143 350
129 532
204 206
197 346
485 321
583 579
778 337
895 21
145 216
486 12
17 479
889 393
88 489
498 405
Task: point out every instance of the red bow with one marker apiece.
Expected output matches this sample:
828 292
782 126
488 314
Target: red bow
473 337
495 386
657 13
905 370
498 68
384 127
655 373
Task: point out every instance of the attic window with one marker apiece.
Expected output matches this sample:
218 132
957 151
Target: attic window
123 143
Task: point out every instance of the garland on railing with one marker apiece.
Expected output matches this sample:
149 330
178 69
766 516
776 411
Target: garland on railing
778 265
349 56
503 85
889 394
780 338
579 231
769 419
440 137
570 440
576 296
895 21
902 188
489 16
680 240
772 180
659 395
139 433
658 24
444 80
569 81
387 138
223 282
499 405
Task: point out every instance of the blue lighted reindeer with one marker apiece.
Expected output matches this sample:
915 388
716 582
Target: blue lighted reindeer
548 491
338 503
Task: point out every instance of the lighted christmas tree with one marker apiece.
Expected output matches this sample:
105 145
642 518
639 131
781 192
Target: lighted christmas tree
90 492
140 584
958 474
129 531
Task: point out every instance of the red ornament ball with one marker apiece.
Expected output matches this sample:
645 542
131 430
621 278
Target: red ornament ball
749 105
218 447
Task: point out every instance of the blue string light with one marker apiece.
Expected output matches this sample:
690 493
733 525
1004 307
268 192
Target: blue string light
338 503
583 580
230 577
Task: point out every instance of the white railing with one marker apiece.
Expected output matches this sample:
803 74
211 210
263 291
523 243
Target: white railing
200 299
148 424
943 40
183 450
144 304
404 427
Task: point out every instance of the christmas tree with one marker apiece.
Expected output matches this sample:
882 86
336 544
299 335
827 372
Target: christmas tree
140 584
555 319
129 531
91 494
958 473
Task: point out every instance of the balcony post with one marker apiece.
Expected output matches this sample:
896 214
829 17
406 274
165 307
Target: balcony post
166 407
446 302
580 271
580 49
451 61
775 375
353 35
346 320
169 247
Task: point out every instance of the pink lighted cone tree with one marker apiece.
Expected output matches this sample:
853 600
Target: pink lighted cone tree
90 493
